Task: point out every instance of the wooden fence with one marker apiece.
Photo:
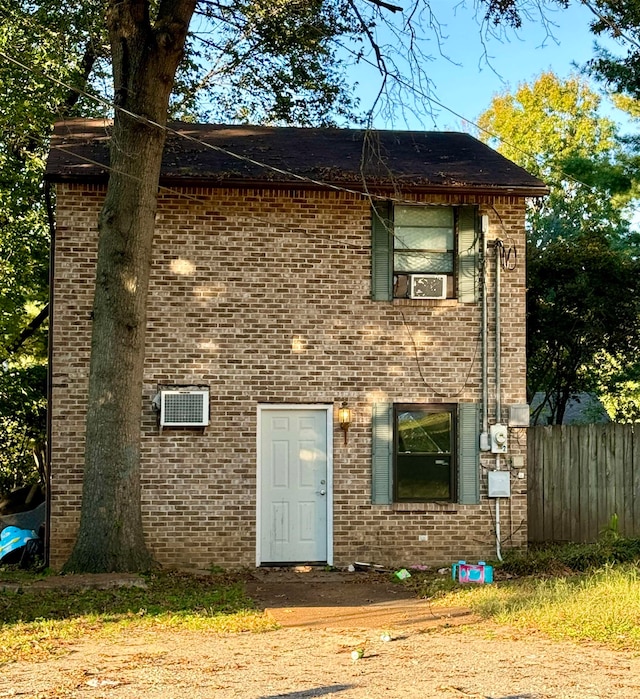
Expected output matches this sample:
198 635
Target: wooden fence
578 477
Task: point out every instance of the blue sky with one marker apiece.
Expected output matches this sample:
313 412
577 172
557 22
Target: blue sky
466 84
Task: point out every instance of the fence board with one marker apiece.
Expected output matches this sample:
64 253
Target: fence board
548 490
561 510
604 480
534 484
625 485
576 488
590 523
635 468
579 476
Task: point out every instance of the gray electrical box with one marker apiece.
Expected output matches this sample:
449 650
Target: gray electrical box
498 438
499 484
519 415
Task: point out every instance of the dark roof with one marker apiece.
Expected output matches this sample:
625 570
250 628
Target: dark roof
204 154
582 409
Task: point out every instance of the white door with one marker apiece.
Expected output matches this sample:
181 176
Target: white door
293 469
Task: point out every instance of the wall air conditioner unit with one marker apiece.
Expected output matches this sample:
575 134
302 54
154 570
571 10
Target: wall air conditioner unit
184 408
428 286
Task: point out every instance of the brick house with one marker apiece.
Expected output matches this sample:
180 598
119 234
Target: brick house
296 272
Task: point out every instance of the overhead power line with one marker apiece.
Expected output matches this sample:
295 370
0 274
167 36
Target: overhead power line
288 173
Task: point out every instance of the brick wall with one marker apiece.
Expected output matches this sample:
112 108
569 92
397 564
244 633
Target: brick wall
264 296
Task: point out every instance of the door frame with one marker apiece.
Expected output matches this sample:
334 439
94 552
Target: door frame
327 408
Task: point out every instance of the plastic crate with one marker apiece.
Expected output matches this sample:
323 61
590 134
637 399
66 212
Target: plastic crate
479 573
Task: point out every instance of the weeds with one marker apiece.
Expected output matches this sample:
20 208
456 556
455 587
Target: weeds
601 606
583 592
40 623
430 586
561 559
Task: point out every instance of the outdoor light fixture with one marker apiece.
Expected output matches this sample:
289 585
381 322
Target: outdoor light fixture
344 418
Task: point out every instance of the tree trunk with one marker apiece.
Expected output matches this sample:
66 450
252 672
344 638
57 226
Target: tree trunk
145 57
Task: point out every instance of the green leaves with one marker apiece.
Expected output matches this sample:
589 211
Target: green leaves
275 62
542 124
619 19
583 300
583 270
48 39
22 423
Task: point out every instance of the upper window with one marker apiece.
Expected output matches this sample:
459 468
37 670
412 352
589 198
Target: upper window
424 246
424 438
424 252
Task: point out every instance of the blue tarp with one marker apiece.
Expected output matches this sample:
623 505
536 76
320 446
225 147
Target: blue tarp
13 539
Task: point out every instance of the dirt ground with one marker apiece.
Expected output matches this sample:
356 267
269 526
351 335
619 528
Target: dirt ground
410 649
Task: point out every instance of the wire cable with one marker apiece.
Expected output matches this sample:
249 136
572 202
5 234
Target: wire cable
415 90
435 391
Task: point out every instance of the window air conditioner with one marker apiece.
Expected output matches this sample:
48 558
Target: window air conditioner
428 286
184 408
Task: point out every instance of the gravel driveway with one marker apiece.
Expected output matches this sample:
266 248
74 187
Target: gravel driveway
432 653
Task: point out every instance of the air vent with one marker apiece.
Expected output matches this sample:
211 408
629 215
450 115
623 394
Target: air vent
428 286
184 408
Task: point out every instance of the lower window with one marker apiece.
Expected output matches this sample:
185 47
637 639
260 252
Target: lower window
424 452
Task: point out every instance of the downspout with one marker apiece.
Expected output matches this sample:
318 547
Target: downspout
498 339
484 437
498 246
52 239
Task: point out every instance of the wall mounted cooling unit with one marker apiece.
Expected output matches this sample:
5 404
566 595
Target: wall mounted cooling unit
184 408
428 286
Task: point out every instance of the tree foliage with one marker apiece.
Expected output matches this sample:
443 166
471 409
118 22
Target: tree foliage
552 127
583 302
619 387
59 41
246 60
270 61
619 19
22 419
582 255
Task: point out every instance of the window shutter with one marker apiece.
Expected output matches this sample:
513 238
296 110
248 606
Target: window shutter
469 454
382 459
381 252
468 245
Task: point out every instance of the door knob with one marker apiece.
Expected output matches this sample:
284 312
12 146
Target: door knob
323 492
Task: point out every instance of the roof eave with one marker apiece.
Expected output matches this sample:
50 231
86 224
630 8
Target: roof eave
237 183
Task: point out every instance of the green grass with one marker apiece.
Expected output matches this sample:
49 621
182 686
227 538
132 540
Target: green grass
578 592
602 606
37 623
581 592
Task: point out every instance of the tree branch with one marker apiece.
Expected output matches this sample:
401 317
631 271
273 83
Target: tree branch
27 332
176 12
88 60
386 5
382 66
